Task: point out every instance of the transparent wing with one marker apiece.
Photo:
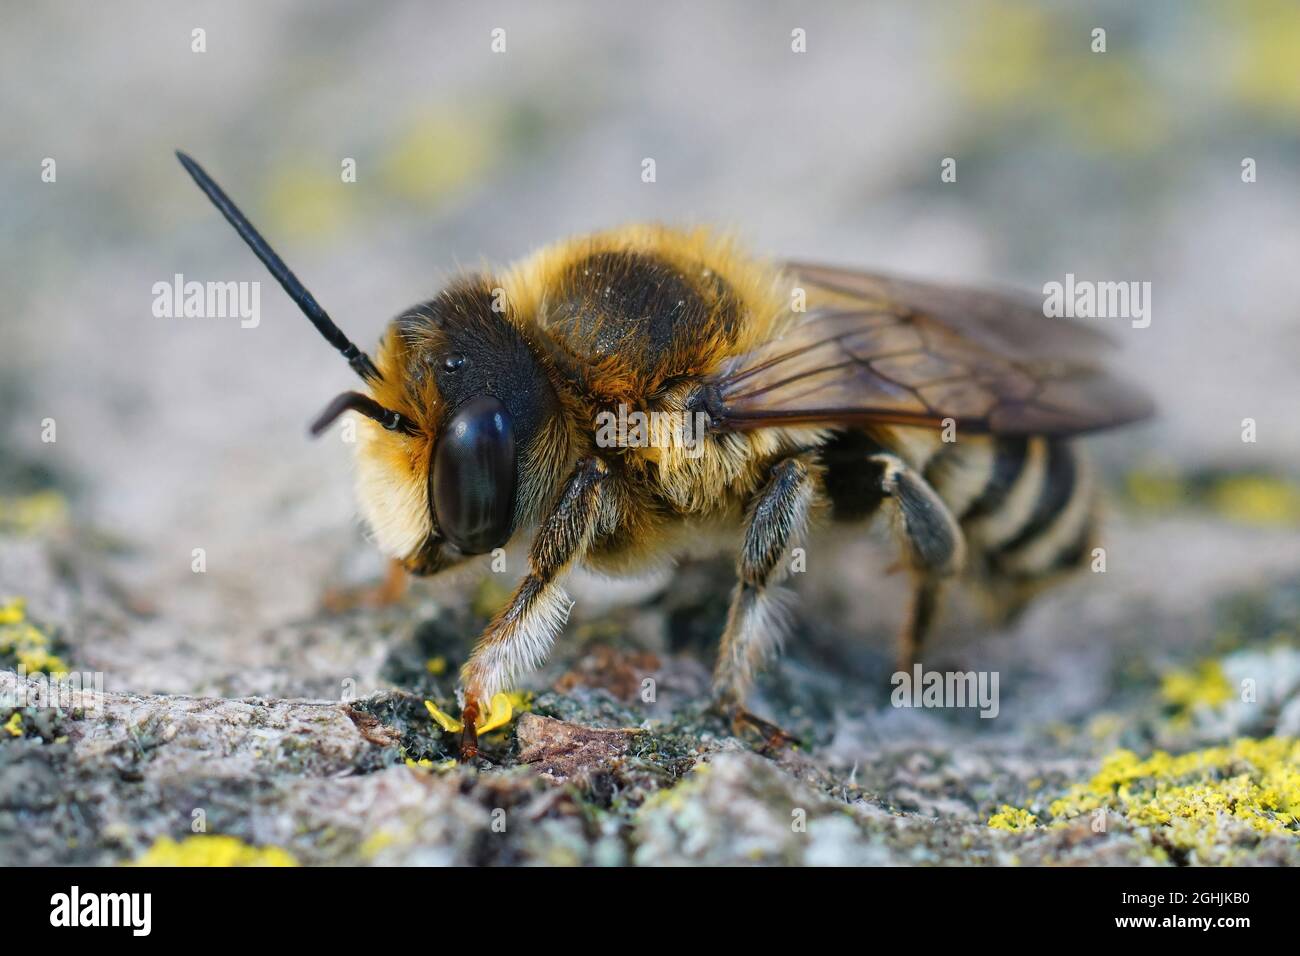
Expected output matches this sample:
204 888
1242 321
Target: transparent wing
876 349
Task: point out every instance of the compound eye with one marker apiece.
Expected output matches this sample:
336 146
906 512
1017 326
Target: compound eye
473 476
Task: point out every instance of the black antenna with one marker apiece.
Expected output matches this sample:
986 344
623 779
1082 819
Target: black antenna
358 359
356 402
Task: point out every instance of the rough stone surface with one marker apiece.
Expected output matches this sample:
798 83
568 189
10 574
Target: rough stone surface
565 751
593 773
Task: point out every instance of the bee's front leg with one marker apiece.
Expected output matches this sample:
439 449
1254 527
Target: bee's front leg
777 518
520 635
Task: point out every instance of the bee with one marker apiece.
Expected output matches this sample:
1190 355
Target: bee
824 394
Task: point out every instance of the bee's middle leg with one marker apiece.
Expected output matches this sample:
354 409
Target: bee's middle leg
776 519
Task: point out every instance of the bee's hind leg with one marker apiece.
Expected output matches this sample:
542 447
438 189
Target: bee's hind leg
934 543
920 617
776 519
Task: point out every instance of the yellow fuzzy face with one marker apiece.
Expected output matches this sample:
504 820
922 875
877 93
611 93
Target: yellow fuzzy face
392 469
486 442
393 489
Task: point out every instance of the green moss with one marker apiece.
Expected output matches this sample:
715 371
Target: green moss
419 738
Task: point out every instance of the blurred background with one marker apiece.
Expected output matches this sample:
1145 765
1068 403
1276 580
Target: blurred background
175 434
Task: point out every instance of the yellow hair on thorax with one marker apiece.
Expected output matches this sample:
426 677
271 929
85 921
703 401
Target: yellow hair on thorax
697 254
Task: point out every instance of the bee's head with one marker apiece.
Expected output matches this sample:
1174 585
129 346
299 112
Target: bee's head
477 436
463 441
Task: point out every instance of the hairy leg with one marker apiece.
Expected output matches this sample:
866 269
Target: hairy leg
777 518
934 544
920 617
520 635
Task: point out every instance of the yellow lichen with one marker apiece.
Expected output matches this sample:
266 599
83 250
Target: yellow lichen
302 199
1257 499
14 725
1012 818
1189 797
439 152
426 765
212 850
1105 725
26 642
12 610
998 65
29 514
1203 686
1156 489
39 661
377 842
1263 37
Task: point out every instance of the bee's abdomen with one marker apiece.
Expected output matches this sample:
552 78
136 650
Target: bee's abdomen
1025 504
